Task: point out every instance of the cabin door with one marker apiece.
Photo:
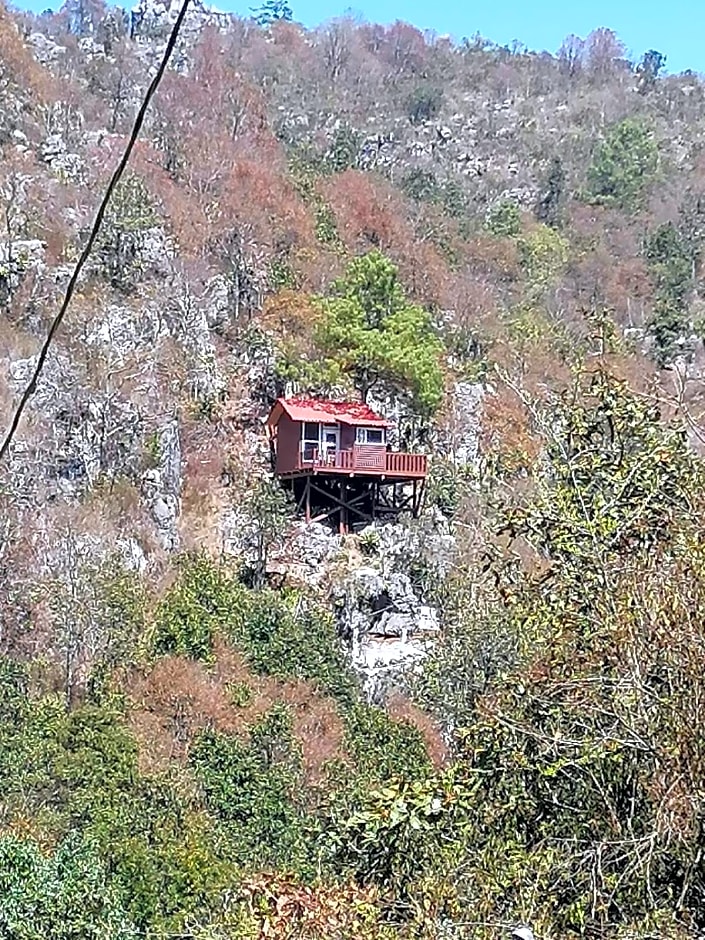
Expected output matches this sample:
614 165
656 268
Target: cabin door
330 442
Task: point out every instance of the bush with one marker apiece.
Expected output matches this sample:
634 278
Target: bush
280 635
504 219
65 895
342 153
205 600
384 748
543 252
251 789
446 484
421 185
290 637
424 103
670 263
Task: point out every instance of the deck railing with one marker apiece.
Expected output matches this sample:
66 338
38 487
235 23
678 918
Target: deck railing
367 459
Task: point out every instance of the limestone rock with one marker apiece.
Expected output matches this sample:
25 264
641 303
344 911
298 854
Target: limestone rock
161 486
45 49
385 623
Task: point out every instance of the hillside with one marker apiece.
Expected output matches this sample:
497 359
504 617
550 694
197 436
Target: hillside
217 722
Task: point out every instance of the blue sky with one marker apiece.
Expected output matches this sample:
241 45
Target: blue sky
674 27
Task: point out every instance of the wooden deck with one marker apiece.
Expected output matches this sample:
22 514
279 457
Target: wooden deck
364 461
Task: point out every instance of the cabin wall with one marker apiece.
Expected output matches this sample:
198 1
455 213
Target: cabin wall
371 456
288 444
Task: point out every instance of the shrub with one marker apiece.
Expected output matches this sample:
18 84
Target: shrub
504 219
424 103
205 599
251 789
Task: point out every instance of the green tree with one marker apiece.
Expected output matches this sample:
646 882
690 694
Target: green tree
65 895
548 207
617 477
343 150
504 219
624 165
400 832
575 742
252 790
648 70
269 510
670 263
421 185
424 103
272 11
206 599
129 217
543 252
379 338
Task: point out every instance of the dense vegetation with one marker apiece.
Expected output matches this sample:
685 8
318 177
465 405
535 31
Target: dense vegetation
501 250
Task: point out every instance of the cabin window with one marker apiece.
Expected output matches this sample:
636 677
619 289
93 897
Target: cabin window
369 436
310 440
320 442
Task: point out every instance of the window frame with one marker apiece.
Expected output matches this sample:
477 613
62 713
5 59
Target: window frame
310 446
362 436
323 447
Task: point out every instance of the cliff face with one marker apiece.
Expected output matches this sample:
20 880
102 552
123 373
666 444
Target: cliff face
493 178
504 250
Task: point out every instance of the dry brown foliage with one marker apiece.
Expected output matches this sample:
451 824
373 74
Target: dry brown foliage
403 710
507 436
179 697
19 69
368 211
284 909
291 316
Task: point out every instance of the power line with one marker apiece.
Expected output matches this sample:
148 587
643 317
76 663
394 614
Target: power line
95 230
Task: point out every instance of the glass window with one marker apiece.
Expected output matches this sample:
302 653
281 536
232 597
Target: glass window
310 440
369 436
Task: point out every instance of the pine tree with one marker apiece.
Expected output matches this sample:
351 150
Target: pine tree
378 337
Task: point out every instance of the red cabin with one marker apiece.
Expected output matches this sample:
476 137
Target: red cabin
334 458
311 435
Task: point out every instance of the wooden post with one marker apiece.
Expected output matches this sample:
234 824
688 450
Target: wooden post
343 518
308 500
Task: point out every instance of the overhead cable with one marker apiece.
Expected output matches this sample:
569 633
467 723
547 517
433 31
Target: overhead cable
95 231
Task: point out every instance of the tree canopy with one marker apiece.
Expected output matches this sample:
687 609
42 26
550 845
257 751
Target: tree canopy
624 165
385 343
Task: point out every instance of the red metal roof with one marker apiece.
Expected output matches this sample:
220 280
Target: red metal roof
320 411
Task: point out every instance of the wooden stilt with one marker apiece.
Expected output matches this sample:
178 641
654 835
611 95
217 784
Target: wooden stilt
350 503
419 499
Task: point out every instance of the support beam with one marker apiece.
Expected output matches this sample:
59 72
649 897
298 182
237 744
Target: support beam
341 501
346 505
302 497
